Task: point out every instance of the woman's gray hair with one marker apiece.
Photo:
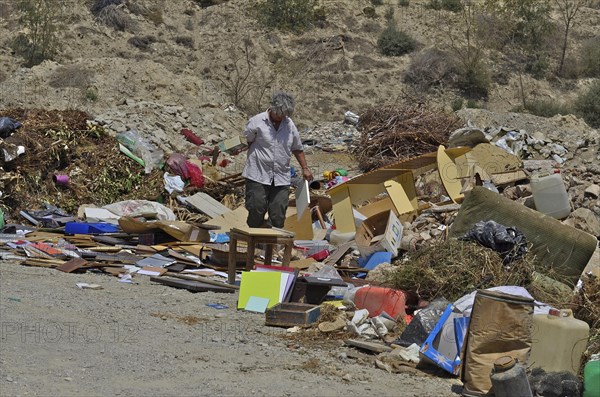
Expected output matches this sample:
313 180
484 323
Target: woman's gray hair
283 103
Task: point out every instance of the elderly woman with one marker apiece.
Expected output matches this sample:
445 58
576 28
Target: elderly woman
272 139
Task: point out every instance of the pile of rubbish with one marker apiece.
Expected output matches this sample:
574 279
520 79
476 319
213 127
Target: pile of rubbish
468 259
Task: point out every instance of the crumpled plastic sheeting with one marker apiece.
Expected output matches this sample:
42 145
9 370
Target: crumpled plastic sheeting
509 242
7 126
465 304
135 208
173 183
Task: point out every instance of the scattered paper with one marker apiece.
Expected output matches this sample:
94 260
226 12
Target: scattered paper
257 304
152 271
126 278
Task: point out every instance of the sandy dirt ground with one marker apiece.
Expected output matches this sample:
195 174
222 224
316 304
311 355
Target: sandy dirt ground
152 340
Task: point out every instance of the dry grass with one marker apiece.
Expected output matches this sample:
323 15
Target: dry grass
454 268
116 18
71 76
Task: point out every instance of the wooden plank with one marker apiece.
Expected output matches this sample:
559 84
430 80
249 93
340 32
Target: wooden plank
370 346
207 205
190 285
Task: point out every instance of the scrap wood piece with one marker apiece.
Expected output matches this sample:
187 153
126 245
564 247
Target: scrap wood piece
338 253
366 345
181 257
202 279
40 262
206 204
72 265
33 252
190 285
105 248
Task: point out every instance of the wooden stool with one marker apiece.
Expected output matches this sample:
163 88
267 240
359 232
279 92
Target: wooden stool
253 236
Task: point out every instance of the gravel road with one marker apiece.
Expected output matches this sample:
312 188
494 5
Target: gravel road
151 340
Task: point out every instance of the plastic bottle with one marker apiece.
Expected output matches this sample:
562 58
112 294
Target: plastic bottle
550 195
509 378
559 340
591 377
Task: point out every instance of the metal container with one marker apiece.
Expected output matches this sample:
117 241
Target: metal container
509 378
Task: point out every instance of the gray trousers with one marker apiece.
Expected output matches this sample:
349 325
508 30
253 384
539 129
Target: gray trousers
261 199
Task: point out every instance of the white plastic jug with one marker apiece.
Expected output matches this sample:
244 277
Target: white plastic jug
550 195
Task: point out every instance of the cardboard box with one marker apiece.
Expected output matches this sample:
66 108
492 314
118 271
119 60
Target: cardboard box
380 232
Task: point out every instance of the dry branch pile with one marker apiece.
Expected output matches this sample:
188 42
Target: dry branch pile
62 142
392 133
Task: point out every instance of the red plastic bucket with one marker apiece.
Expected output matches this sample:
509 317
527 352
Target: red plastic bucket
379 299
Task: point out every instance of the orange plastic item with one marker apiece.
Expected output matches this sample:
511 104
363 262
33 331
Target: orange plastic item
379 299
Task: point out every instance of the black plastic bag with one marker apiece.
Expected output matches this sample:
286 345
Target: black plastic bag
7 126
509 242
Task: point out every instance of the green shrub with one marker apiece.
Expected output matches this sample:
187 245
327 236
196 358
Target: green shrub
590 57
457 104
545 108
403 3
377 2
291 15
449 5
474 81
43 21
370 12
394 42
472 104
587 105
142 42
389 14
91 94
185 41
537 65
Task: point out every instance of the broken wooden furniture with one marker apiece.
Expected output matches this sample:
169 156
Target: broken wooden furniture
254 236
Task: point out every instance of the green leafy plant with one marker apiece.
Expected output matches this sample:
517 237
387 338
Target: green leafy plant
291 15
395 42
403 3
587 105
